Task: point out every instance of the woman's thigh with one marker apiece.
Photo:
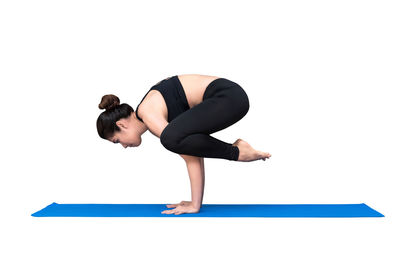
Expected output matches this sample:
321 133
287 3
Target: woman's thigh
223 105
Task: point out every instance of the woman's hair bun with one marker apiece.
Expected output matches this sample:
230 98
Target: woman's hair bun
109 102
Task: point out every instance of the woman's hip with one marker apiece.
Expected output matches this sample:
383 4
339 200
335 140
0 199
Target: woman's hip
229 90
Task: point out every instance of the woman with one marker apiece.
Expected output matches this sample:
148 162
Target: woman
183 110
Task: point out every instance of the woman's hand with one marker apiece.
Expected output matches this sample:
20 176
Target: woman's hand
183 207
182 203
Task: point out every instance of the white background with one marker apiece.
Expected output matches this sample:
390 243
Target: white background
323 82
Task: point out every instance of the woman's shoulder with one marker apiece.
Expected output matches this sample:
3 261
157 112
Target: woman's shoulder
153 103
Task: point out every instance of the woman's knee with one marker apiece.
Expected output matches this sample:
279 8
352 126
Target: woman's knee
246 103
243 103
169 138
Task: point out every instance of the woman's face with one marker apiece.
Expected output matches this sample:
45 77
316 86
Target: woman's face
128 136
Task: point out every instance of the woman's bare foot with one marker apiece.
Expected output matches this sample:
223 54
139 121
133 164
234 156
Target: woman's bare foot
247 153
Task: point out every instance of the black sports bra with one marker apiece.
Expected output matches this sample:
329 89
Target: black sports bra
174 95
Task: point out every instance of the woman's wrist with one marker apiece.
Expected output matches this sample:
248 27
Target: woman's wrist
196 205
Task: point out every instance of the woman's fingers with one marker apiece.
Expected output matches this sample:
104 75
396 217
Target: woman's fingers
182 203
182 209
177 210
168 211
174 205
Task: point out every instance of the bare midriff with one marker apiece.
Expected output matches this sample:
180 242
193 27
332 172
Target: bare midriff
194 86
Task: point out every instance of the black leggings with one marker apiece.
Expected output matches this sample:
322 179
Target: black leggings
224 103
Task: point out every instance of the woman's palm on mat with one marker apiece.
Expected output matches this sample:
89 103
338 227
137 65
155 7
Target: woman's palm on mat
180 208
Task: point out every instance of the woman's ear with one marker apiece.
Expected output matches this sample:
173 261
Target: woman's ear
121 124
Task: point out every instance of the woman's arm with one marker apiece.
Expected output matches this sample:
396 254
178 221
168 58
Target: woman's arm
195 167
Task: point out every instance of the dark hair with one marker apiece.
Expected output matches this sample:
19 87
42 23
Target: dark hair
106 122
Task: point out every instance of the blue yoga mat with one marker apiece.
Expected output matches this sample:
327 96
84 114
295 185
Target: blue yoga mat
209 210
